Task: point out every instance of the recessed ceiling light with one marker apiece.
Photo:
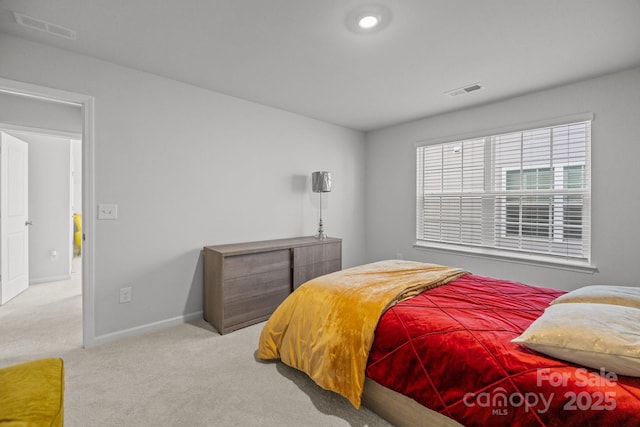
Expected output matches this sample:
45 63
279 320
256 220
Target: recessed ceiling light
368 18
368 21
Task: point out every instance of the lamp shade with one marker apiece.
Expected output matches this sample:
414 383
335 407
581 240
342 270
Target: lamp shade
321 182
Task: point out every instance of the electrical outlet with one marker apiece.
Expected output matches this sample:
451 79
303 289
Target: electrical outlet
107 211
125 295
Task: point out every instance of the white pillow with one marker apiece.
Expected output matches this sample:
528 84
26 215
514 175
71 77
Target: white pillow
603 294
594 335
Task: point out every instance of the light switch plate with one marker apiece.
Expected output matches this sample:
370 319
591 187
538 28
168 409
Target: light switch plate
107 211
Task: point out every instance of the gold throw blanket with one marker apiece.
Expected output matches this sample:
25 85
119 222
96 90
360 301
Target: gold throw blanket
326 327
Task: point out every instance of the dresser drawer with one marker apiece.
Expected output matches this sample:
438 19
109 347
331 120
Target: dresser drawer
317 253
304 273
252 310
250 264
312 261
256 285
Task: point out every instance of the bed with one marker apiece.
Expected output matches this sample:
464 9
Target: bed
422 344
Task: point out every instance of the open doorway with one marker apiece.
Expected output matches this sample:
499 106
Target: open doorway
78 282
43 317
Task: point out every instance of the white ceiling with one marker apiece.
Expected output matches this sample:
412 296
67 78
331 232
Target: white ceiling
299 55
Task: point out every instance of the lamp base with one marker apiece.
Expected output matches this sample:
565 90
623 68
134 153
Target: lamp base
321 235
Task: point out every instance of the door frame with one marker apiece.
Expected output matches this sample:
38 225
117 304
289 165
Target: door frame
86 103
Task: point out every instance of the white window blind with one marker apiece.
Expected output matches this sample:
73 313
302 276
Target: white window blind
515 194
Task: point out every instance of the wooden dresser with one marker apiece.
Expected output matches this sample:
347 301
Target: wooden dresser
245 282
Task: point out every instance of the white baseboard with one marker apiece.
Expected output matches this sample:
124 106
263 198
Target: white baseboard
49 279
144 329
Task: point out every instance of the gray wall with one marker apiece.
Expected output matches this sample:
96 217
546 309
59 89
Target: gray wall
188 168
615 101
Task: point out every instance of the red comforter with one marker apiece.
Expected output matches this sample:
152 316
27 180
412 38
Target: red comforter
450 349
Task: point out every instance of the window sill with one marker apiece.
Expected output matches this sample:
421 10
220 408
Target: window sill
529 259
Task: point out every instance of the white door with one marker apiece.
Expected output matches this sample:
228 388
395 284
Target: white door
14 217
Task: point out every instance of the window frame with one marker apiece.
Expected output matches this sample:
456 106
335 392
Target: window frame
583 264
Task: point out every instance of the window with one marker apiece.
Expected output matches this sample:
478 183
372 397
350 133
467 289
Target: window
517 194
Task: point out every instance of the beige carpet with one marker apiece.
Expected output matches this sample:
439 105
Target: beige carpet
188 375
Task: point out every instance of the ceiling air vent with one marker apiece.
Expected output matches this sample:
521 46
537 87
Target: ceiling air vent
47 27
463 90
